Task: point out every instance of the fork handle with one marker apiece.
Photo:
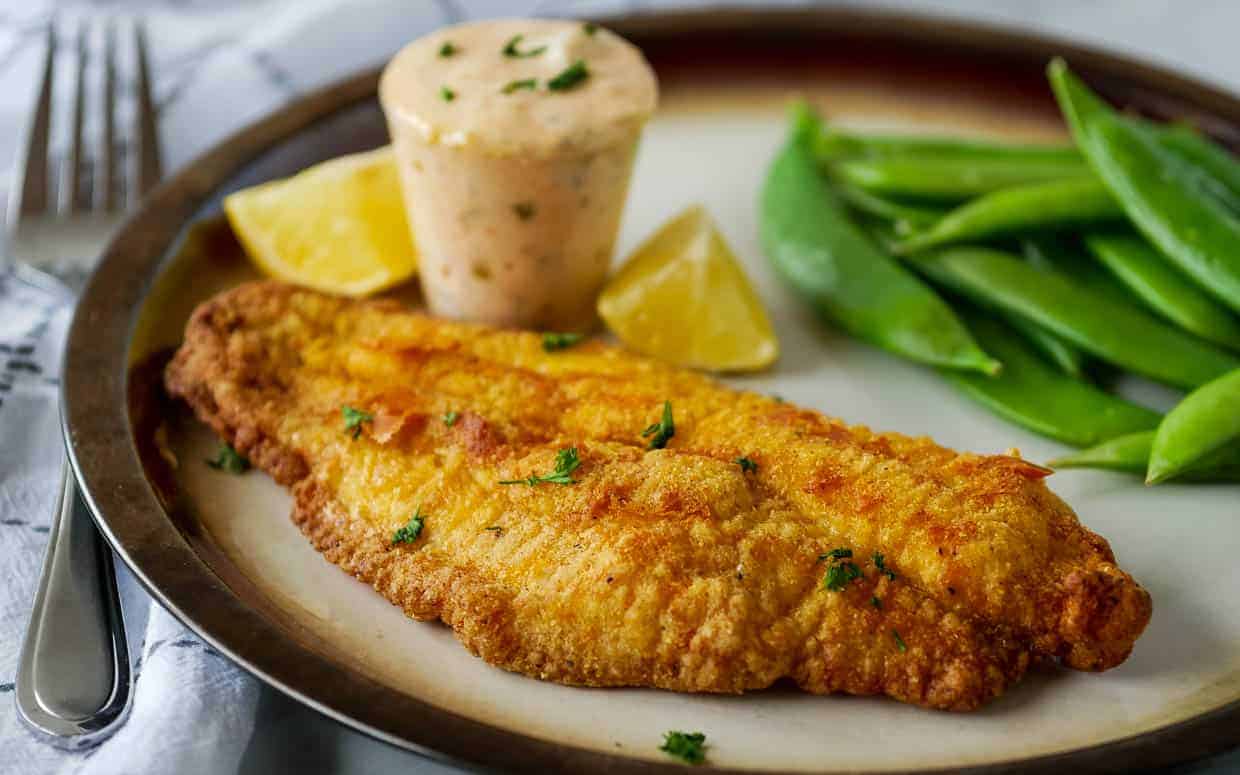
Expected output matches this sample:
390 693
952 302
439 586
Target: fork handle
73 682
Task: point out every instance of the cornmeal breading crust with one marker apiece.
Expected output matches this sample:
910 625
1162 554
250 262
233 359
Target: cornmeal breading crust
671 568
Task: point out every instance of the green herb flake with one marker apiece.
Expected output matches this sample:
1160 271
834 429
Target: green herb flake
448 49
566 461
450 418
353 419
528 84
882 568
447 94
525 210
662 431
589 28
552 341
836 554
510 49
747 465
230 460
899 641
840 576
412 529
570 77
689 746
874 601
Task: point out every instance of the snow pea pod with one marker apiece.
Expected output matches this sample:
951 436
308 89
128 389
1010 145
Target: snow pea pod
1206 420
1029 392
1063 354
1217 164
952 180
1164 288
1130 454
832 263
1058 204
1161 193
833 144
1065 357
1052 254
903 216
1121 334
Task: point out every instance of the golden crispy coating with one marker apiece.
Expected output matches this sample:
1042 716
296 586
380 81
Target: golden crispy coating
672 568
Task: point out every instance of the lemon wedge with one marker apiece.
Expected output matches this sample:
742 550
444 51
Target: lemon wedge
683 297
338 226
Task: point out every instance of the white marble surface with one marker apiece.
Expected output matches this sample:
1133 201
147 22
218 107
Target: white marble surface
238 58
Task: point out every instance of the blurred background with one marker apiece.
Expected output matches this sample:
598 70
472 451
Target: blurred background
220 64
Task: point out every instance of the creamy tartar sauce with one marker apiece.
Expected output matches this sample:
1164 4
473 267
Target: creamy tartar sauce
515 141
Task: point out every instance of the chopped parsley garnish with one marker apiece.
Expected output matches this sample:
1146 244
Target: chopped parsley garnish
883 569
689 746
566 461
836 554
874 601
589 28
663 430
899 641
353 419
412 529
525 210
746 464
447 94
230 460
553 341
570 77
510 49
450 418
448 49
840 576
528 84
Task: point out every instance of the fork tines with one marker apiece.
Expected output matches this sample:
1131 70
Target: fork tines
95 169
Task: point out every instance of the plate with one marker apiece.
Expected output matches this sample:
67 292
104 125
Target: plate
222 555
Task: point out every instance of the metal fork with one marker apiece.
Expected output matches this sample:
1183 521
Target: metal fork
73 682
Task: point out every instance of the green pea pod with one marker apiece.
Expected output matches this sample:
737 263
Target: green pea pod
1130 454
1119 333
1052 254
1063 355
1029 392
1219 166
833 264
1057 205
834 144
903 216
1162 194
951 180
1164 288
1206 420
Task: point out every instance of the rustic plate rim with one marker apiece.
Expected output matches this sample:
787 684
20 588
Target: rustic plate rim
95 415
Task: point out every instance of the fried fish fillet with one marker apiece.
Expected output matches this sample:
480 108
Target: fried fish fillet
675 568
